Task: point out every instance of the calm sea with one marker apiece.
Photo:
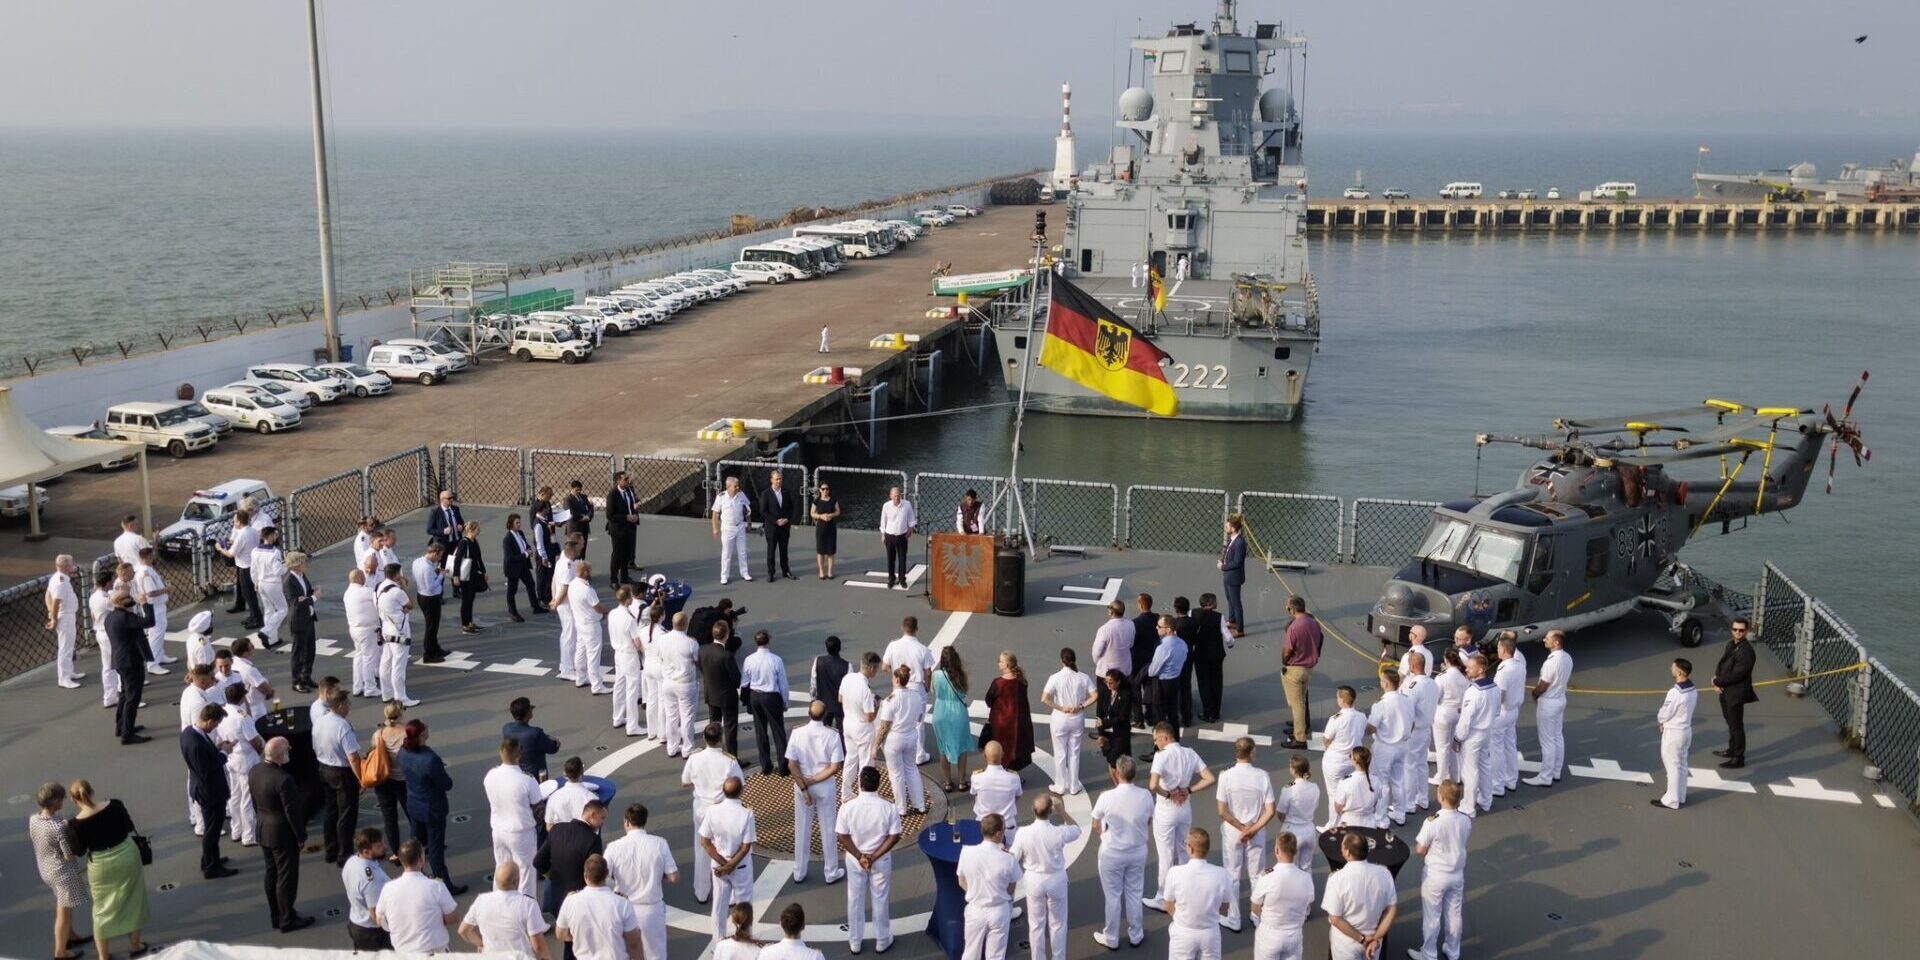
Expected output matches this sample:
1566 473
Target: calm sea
1428 340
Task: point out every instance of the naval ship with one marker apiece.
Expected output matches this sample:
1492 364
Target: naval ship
1898 180
1208 193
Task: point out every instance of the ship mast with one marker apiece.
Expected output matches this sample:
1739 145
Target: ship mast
321 198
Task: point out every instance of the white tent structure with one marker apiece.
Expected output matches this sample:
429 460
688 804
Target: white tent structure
31 455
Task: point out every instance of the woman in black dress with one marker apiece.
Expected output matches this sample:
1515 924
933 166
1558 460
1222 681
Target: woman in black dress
826 528
1116 723
469 574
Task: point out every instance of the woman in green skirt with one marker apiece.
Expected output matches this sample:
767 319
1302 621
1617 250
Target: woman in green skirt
103 833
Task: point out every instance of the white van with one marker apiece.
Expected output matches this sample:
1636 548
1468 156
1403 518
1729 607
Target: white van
252 410
1462 190
206 506
1616 189
798 266
163 426
404 362
455 358
549 341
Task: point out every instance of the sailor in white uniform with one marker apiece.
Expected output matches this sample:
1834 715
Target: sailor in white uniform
1511 678
726 835
679 687
652 668
639 864
815 756
99 604
150 588
587 611
237 737
126 546
1423 700
988 874
1443 880
731 512
1041 849
1198 893
1676 733
897 738
511 796
1178 774
1416 643
859 711
867 831
396 636
363 628
269 572
1452 684
623 629
1247 804
563 573
1474 736
1297 802
1360 901
1123 818
63 618
996 789
1068 693
1282 898
707 773
1550 710
1391 724
1346 729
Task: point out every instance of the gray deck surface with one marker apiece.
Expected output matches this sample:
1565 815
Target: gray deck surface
1584 869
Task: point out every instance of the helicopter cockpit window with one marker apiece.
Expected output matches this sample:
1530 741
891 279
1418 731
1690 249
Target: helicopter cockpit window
1495 554
1443 539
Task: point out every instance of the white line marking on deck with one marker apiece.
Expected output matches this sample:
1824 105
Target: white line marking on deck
879 581
1884 801
457 660
1807 788
1600 769
1090 597
950 630
526 667
1698 779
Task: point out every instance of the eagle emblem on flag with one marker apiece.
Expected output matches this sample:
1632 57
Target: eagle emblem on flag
1112 344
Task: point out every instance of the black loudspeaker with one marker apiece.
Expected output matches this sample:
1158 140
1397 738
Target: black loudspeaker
1009 581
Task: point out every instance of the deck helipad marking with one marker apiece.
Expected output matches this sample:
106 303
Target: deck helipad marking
879 581
1089 596
1599 769
328 648
456 660
1709 779
950 630
526 667
1807 788
1884 801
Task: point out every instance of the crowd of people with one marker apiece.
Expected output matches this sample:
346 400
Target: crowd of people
1441 734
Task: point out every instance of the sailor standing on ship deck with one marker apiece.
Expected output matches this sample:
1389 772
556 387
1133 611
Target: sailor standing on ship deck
1511 678
1676 734
1474 736
1550 710
731 512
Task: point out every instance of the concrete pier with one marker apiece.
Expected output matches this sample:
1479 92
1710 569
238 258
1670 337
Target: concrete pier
1644 215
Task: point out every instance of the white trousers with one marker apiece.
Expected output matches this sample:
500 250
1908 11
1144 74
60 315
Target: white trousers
859 757
157 634
702 864
655 702
393 670
1390 770
626 694
1193 943
866 887
1441 897
1309 842
240 820
1238 858
273 608
1069 733
586 654
66 636
1549 720
1334 769
909 793
825 808
109 677
823 341
1476 769
1674 745
653 929
1341 947
735 887
518 848
1413 770
1123 877
987 932
563 611
1446 766
677 701
1507 755
733 550
1170 823
1277 943
366 662
1047 915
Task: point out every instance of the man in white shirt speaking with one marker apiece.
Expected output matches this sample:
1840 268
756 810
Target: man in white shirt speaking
897 521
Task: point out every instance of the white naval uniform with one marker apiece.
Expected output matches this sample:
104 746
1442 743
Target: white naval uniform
1392 722
1360 894
1197 889
1443 881
269 572
511 796
1475 734
1125 815
587 639
99 604
1284 896
396 641
638 864
623 625
151 588
989 873
1177 766
811 750
1041 849
1676 738
996 789
679 692
856 701
1423 699
650 670
563 610
706 771
1406 663
412 907
1362 798
907 650
254 680
902 712
1298 800
235 735
507 921
735 512
730 826
362 548
568 803
1070 688
1511 678
126 547
1247 793
363 627
598 920
1550 715
867 821
1452 686
66 626
1345 730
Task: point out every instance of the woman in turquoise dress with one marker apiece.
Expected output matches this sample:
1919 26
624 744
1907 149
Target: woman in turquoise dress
952 731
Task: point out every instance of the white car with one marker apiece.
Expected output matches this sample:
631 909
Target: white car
1529 194
699 292
93 432
904 229
360 381
455 358
1355 193
935 217
252 409
1553 193
549 341
220 425
961 210
285 392
672 301
321 387
610 319
727 282
165 425
13 500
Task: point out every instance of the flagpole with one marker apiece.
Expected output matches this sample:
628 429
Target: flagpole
1020 406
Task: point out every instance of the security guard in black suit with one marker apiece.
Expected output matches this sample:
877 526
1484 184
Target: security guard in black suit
1733 680
623 528
282 828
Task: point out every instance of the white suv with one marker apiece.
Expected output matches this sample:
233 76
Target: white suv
205 507
610 319
961 210
549 341
322 387
163 426
455 358
251 409
935 217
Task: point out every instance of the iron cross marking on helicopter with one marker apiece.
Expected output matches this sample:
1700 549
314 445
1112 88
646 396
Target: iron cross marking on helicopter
1593 530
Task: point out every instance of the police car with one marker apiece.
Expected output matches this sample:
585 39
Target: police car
206 506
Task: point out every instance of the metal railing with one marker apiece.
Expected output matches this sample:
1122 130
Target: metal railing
1385 532
401 483
1181 519
861 492
755 476
213 572
558 468
326 512
668 484
1073 512
481 473
931 488
1295 526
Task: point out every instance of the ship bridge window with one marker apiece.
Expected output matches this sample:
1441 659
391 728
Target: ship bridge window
1173 61
1239 61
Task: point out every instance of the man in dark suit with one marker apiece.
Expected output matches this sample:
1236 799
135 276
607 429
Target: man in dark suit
827 672
1146 636
580 513
207 787
720 683
623 528
563 857
1209 657
128 631
1233 573
1183 626
779 510
518 552
444 523
1733 681
282 829
301 619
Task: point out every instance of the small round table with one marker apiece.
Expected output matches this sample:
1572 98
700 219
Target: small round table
1383 848
948 924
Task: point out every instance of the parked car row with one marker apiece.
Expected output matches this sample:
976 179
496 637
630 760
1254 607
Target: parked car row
270 398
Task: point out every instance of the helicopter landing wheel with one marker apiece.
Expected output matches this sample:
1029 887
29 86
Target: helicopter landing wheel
1692 632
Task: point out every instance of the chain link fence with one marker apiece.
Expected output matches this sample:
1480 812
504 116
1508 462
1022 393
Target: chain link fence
937 495
1892 738
1779 612
326 512
1073 512
1295 526
401 484
1383 533
675 486
558 468
1180 519
213 571
479 473
863 490
1831 647
25 641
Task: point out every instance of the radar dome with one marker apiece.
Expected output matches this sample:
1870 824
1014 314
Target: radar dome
1803 171
1276 106
1136 104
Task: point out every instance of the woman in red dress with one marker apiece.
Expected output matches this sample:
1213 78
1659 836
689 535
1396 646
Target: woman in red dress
1009 719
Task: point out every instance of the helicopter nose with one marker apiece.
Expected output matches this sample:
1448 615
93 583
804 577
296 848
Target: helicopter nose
1400 599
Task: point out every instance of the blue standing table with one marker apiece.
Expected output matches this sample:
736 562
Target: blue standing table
948 924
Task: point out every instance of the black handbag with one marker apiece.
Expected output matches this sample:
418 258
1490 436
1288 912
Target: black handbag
145 846
146 614
479 582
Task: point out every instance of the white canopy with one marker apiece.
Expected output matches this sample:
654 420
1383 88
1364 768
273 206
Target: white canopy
30 455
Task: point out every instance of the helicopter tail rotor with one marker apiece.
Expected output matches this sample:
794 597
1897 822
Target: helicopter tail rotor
1846 431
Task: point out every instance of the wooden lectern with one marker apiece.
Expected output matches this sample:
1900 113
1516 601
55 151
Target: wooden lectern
963 572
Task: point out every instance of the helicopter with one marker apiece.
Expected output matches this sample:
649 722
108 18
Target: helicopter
1593 530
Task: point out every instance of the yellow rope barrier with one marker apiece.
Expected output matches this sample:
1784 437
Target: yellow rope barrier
1329 630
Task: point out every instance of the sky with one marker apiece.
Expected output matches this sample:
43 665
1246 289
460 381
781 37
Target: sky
860 65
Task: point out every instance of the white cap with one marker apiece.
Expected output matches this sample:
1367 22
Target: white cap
657 580
202 623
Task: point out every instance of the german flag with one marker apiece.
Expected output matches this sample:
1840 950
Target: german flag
1090 345
1157 289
